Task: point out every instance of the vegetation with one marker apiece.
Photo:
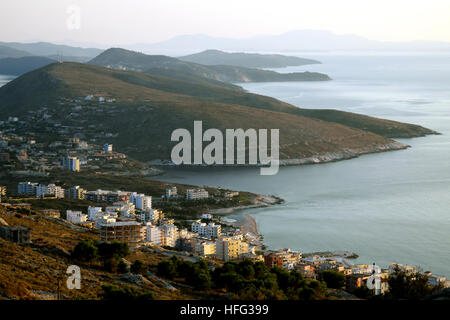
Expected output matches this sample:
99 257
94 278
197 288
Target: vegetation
125 293
247 60
138 267
109 254
409 285
196 73
333 279
245 280
148 108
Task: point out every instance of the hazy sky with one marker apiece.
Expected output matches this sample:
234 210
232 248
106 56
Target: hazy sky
146 21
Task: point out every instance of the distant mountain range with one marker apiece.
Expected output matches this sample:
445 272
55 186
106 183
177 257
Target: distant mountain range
18 66
294 41
147 108
122 59
49 49
8 52
247 60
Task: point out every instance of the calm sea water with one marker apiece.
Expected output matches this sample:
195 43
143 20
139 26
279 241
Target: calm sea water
387 207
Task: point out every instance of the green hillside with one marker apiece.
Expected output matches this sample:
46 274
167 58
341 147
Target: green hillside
247 60
148 108
122 59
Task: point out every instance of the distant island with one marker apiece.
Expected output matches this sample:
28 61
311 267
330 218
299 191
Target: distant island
247 60
117 58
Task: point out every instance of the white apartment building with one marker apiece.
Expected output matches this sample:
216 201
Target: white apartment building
196 194
169 235
76 217
171 192
94 213
141 201
152 215
153 234
210 230
125 209
43 190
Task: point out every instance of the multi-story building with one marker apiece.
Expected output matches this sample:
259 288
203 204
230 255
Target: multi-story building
43 190
210 230
141 201
28 188
230 247
169 235
196 194
108 147
71 163
107 196
130 232
153 215
76 193
76 217
171 192
95 213
2 193
153 234
205 248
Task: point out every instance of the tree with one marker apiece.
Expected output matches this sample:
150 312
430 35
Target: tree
333 279
409 285
85 251
167 269
138 267
122 267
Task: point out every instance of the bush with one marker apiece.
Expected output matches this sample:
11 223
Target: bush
122 267
85 251
125 293
333 279
138 267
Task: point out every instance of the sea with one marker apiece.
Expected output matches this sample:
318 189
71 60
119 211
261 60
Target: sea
386 207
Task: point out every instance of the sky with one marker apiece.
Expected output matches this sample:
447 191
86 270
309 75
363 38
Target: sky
115 22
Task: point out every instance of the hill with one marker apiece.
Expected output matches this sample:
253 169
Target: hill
31 271
122 59
247 60
148 108
49 49
18 66
7 52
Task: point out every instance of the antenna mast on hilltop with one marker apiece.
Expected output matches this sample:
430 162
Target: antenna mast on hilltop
59 56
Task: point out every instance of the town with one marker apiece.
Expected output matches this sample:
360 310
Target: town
146 221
